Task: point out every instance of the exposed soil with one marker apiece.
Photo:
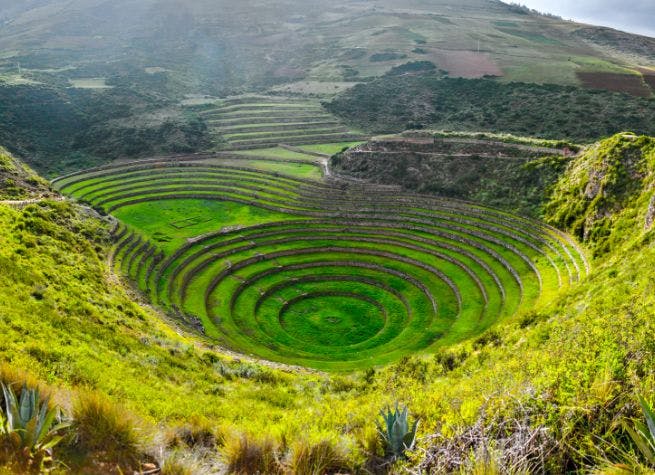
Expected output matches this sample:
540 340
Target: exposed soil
628 83
649 77
465 64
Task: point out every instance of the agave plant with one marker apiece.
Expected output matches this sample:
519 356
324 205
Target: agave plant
643 434
396 433
30 427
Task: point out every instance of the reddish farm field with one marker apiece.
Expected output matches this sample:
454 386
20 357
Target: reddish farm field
649 77
628 83
465 64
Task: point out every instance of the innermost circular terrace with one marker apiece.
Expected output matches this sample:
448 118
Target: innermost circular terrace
332 318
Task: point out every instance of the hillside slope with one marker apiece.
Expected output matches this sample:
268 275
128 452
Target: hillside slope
501 171
84 82
19 182
606 198
563 376
226 45
393 104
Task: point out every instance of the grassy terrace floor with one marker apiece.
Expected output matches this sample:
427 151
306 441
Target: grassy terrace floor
267 258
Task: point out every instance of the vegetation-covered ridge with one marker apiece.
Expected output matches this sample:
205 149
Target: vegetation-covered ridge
393 104
504 171
57 130
606 197
18 182
328 274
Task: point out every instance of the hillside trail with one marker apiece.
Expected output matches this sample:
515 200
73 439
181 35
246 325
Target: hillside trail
23 203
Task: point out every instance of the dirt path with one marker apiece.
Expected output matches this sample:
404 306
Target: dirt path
23 203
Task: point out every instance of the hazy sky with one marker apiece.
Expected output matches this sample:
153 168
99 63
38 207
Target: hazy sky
637 16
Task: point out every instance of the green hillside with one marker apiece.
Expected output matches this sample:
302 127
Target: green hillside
19 182
563 374
503 171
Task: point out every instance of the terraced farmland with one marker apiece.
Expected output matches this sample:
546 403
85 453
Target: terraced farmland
253 122
323 273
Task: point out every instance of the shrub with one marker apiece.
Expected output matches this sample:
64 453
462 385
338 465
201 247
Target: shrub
196 433
490 338
176 464
449 360
16 379
316 459
29 430
397 435
105 430
245 455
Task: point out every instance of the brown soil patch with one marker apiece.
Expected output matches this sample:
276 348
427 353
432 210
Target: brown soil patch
649 77
465 64
288 72
628 83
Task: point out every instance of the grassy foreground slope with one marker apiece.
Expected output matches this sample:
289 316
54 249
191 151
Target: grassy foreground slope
563 376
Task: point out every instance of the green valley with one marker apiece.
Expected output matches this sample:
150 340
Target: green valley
309 238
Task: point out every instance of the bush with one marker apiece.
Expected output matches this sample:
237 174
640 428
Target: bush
104 430
316 459
176 464
16 379
245 455
197 433
449 360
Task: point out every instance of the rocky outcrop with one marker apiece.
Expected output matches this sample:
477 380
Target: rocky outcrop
650 214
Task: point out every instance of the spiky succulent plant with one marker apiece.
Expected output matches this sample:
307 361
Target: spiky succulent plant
396 432
30 427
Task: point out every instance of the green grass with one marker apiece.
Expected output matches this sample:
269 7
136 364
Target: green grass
155 219
298 170
276 152
330 148
282 134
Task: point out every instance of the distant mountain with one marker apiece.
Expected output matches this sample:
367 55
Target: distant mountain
228 45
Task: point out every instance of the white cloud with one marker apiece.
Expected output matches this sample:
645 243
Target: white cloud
636 16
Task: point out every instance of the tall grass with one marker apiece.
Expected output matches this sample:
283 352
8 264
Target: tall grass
246 455
317 458
106 430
